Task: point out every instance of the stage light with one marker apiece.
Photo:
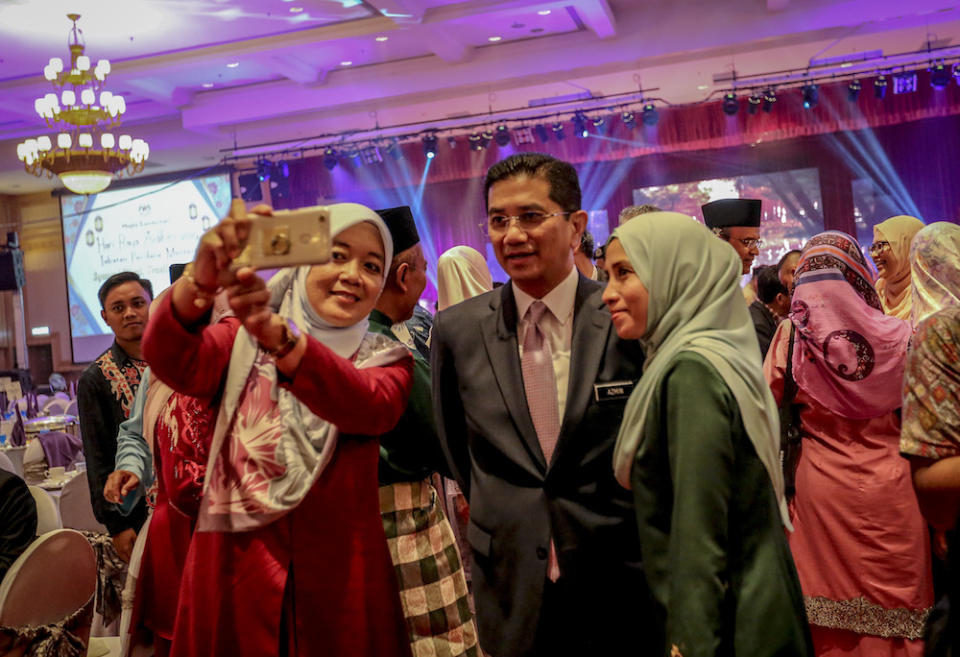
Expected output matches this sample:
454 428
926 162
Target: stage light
430 146
263 169
330 159
939 76
558 131
475 144
542 133
580 124
880 87
280 170
485 137
598 123
730 104
650 115
280 179
753 103
853 91
811 95
629 120
393 148
502 135
769 98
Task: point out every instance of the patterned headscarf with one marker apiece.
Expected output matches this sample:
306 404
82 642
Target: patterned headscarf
935 262
851 356
894 287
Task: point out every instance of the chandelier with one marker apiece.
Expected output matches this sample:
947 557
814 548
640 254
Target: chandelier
85 153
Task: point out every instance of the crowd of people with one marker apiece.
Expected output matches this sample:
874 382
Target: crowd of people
585 460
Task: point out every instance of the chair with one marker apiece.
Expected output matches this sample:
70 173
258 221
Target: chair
48 594
34 463
7 464
61 395
48 518
15 456
55 406
76 511
72 408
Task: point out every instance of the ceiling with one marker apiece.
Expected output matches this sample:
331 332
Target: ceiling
202 77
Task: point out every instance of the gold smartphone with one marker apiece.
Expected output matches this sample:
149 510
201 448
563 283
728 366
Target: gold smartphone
288 238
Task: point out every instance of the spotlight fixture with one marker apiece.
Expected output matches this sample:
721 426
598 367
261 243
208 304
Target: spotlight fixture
853 91
956 72
880 87
939 76
558 131
811 95
598 123
263 169
542 133
580 124
393 148
452 142
475 144
502 135
730 104
769 98
430 146
371 154
280 179
753 103
629 120
650 115
485 137
330 159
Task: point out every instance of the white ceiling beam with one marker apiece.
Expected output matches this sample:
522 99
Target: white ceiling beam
295 69
161 91
597 15
410 14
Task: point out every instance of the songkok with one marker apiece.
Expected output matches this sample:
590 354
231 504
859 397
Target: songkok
732 212
403 229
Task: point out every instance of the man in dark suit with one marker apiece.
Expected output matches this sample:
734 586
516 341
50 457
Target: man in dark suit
770 307
529 385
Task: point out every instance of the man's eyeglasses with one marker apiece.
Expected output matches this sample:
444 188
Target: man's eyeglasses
748 242
499 223
879 247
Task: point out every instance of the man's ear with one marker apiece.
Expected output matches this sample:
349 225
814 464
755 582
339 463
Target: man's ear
579 221
103 314
400 277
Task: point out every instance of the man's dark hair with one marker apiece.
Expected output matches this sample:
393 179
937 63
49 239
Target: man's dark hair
560 175
785 256
120 279
586 244
768 283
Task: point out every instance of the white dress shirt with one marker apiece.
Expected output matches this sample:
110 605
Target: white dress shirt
557 326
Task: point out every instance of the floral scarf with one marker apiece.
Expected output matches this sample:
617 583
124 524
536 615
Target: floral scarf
850 356
935 263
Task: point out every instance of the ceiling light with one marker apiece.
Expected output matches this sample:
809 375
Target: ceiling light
703 87
880 87
475 142
233 64
330 159
494 38
939 76
580 124
544 12
381 39
628 120
769 98
346 62
502 135
82 167
753 103
811 95
650 116
296 10
485 137
430 146
730 105
263 169
207 85
853 90
557 130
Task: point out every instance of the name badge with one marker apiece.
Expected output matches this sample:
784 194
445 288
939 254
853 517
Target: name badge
613 391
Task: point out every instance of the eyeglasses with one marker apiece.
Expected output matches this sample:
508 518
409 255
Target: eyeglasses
879 247
499 223
748 242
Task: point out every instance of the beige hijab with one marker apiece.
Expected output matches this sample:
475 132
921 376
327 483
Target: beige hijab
894 287
462 274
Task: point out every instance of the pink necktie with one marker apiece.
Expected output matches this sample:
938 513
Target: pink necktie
540 385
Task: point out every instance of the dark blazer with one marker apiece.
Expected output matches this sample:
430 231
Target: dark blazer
516 498
18 519
765 323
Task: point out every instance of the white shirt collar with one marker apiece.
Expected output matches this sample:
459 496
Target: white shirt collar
559 300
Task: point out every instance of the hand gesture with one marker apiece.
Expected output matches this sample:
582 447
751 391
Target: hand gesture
119 484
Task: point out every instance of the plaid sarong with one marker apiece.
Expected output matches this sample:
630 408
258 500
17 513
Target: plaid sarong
433 589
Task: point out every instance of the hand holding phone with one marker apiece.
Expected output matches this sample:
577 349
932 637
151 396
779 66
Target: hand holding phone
287 238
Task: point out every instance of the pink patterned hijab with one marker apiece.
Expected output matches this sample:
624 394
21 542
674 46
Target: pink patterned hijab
850 356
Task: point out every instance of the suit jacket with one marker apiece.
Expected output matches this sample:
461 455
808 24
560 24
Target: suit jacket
517 500
765 323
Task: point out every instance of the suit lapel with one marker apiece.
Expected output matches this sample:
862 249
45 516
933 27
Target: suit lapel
499 329
591 327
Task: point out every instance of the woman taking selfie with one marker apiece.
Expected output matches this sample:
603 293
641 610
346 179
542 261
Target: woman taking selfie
699 446
289 556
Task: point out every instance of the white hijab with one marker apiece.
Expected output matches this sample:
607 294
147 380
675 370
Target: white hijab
695 305
462 274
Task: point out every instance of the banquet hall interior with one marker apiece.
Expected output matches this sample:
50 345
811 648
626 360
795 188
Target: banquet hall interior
835 114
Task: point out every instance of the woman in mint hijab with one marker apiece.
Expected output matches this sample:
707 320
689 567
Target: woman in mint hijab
699 446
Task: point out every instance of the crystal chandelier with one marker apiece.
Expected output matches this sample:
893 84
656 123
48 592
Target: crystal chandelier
85 153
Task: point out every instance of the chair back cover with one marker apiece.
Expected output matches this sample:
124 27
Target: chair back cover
48 518
76 511
60 394
15 454
55 406
51 580
7 464
60 448
72 408
34 463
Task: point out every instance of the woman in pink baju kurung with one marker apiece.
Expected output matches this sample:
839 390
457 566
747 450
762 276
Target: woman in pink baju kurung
859 541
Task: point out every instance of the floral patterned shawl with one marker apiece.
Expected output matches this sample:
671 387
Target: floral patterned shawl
850 356
935 263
